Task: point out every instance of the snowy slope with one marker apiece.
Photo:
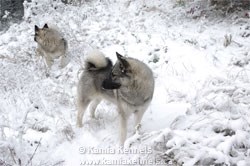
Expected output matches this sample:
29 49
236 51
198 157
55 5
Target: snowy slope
200 111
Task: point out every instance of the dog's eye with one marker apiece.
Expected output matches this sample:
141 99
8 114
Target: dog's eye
122 68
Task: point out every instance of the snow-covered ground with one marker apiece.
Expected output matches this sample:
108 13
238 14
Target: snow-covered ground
200 111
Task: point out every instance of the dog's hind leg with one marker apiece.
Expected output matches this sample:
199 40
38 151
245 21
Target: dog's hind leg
93 106
81 106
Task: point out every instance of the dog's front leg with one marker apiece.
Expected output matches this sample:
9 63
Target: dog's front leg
39 52
49 61
123 127
138 114
122 118
64 61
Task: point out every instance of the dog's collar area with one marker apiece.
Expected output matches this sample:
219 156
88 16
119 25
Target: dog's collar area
136 105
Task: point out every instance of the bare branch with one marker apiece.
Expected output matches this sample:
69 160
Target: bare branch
34 152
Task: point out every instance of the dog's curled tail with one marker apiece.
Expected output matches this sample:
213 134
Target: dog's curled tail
96 60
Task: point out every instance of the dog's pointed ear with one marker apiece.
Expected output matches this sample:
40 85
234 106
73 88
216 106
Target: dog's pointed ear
45 26
123 60
36 28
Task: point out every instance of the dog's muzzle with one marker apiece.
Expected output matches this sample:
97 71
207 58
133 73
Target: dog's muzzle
108 84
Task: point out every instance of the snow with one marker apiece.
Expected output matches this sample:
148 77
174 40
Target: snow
199 114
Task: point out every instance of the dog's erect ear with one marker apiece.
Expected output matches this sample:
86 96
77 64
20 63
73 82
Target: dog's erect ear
36 28
123 60
45 26
119 56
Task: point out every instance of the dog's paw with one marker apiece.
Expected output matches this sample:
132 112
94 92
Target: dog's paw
92 116
93 124
138 128
79 125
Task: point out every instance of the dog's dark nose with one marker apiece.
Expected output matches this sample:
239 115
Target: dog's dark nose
35 38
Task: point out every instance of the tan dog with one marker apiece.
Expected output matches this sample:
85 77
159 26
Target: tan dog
51 45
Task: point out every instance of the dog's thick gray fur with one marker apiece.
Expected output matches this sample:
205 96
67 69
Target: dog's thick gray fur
129 84
51 45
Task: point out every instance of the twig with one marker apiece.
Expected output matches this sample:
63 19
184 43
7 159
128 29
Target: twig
8 58
34 152
59 163
227 40
21 132
12 155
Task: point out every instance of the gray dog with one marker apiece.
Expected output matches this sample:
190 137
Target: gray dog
129 84
51 45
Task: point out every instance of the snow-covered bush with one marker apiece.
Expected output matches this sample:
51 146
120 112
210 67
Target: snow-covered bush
230 4
75 2
10 11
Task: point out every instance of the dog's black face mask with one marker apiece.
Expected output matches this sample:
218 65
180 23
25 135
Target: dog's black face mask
109 84
118 71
